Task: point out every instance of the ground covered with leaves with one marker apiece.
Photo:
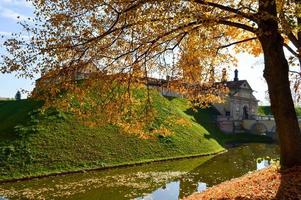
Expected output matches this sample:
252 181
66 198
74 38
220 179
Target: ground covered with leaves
270 183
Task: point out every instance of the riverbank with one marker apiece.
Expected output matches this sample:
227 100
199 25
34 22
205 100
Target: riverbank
266 184
117 166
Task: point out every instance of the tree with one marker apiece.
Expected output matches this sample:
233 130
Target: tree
119 34
18 96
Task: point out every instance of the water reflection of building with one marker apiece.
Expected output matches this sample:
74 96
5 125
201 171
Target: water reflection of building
263 164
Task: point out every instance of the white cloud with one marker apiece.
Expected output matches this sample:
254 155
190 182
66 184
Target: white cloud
5 33
13 3
11 14
15 9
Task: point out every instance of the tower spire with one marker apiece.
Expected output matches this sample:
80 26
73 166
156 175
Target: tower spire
235 75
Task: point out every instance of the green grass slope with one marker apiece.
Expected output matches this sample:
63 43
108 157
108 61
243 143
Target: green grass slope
33 144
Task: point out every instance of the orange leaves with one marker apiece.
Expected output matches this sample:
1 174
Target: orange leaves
256 50
59 19
236 35
183 122
134 37
233 32
102 100
264 184
119 34
162 131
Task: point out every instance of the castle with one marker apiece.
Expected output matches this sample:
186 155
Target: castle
240 104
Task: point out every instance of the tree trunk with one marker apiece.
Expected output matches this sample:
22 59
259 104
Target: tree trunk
276 74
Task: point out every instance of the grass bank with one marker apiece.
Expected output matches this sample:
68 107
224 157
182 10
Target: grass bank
35 144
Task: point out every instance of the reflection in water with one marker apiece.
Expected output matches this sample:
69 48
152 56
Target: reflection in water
201 187
263 164
169 191
159 181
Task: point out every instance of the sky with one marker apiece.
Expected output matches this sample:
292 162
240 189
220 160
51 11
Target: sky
11 12
249 67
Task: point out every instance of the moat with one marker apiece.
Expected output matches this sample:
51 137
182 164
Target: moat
170 180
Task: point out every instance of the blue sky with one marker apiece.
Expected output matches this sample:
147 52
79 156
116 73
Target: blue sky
9 12
250 68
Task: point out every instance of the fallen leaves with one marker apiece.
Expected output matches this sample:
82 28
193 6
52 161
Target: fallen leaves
266 184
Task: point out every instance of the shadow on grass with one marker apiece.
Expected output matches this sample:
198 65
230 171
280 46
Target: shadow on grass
12 114
207 118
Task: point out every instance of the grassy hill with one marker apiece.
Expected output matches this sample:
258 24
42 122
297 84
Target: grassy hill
34 143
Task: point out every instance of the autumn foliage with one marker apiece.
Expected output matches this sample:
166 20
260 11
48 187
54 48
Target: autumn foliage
187 40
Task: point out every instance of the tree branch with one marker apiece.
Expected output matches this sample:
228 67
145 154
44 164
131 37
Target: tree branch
288 29
290 50
294 72
227 8
238 42
293 39
237 25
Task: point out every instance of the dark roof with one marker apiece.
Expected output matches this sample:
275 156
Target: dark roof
234 84
155 82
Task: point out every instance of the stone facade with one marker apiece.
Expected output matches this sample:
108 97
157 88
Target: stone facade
239 105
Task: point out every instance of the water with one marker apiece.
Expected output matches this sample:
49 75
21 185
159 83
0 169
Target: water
170 180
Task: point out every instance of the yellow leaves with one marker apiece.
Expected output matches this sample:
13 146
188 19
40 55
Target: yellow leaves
163 131
256 50
120 31
119 36
59 18
183 122
102 100
252 47
236 35
233 32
